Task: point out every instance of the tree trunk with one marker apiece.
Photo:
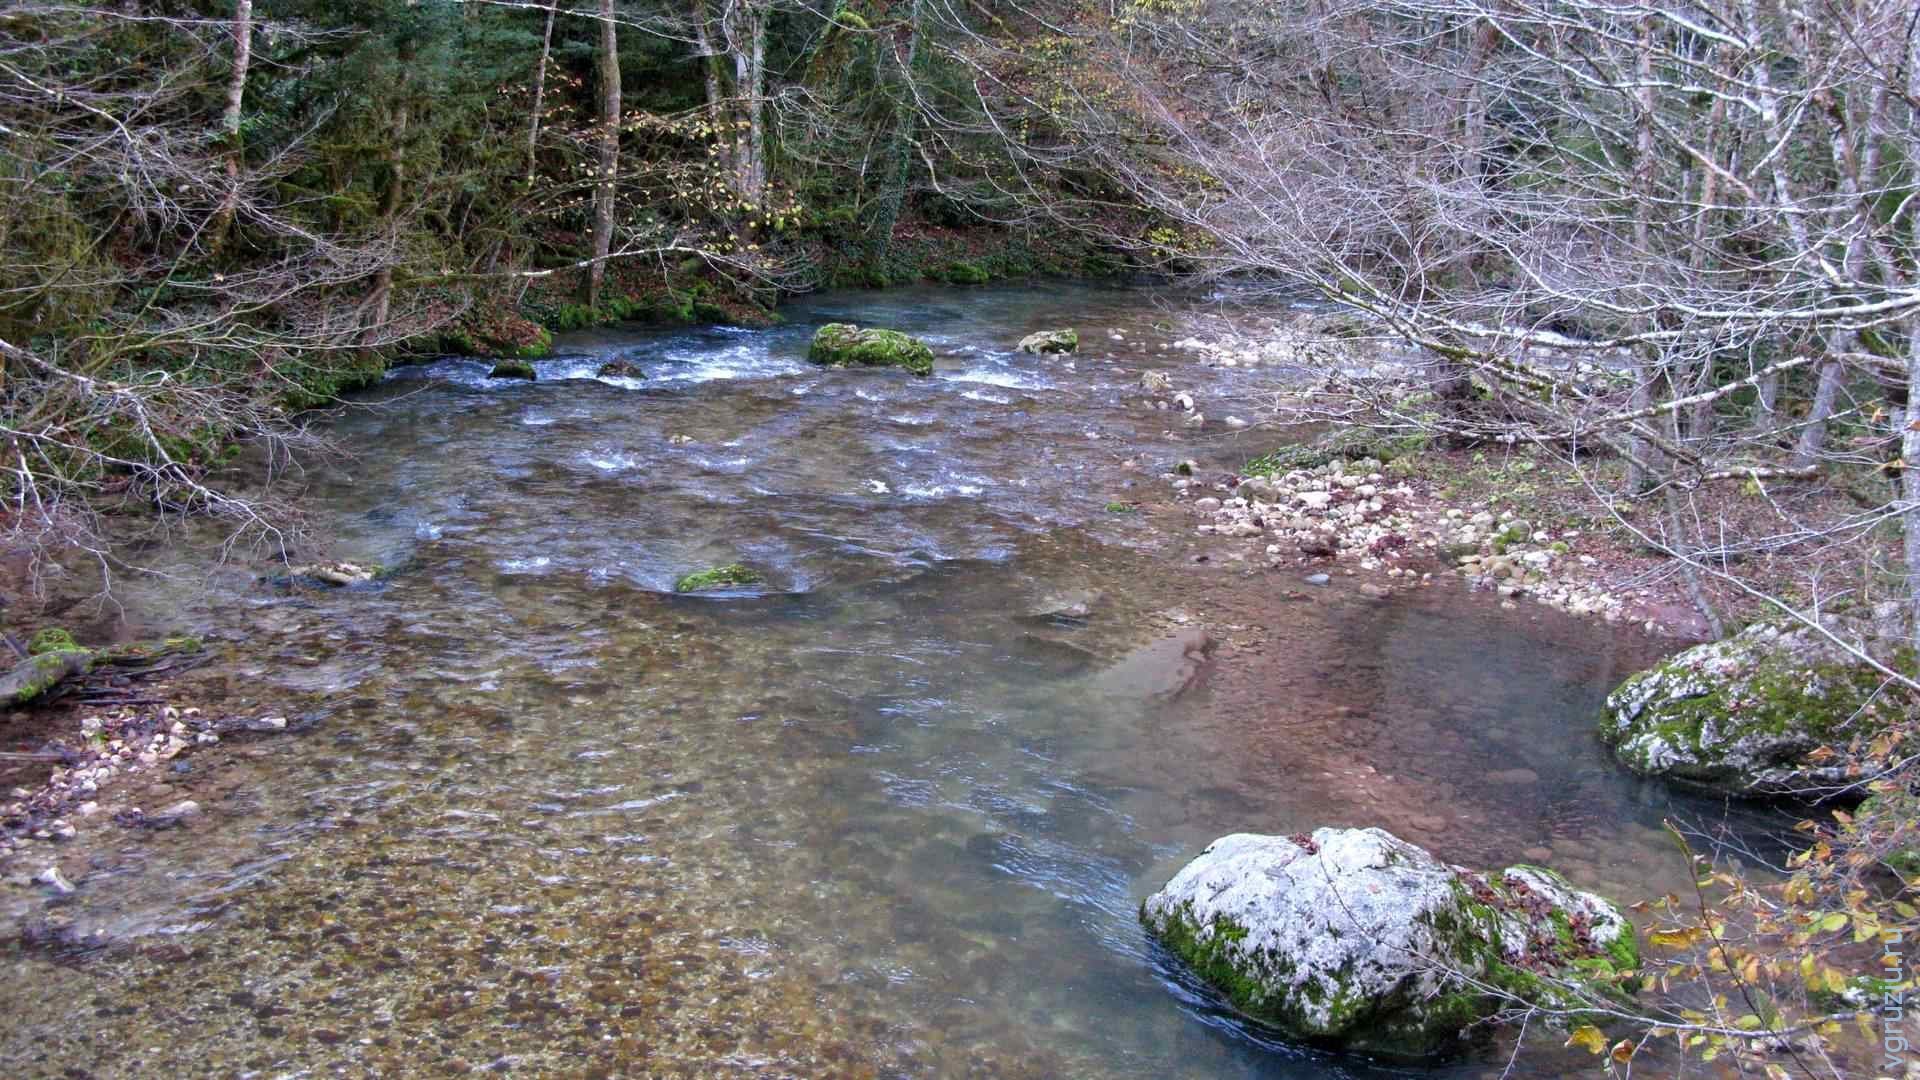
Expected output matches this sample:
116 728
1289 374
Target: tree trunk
750 64
381 302
1647 371
1910 478
603 190
230 123
539 97
899 161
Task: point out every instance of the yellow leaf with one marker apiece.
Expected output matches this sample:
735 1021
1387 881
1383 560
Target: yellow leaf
1623 1051
1834 920
1674 939
1588 1038
1835 982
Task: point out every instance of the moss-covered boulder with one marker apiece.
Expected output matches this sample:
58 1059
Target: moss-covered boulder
1050 342
41 671
512 369
1354 938
847 345
719 577
1749 715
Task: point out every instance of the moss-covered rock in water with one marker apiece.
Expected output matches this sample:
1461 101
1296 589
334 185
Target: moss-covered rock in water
1745 716
41 672
512 369
846 345
51 639
1051 341
1355 938
718 578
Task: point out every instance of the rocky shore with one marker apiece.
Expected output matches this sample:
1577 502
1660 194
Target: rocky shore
1364 518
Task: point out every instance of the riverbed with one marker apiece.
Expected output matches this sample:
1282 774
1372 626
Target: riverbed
890 813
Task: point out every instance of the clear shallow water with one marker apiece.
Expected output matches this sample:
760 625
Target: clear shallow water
871 819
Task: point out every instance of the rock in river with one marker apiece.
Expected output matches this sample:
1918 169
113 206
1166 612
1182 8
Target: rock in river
846 345
719 577
1050 341
41 672
1746 715
1355 938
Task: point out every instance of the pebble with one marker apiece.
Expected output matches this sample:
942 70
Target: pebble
53 879
1316 579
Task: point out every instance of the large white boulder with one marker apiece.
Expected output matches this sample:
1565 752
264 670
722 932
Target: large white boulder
1356 938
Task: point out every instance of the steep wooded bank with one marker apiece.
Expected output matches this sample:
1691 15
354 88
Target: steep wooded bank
218 214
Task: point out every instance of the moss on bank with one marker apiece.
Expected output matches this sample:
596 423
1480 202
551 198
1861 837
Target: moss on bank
1345 444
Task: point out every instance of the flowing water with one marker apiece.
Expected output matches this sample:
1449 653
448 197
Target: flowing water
880 816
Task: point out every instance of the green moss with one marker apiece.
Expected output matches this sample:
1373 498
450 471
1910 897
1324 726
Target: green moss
719 577
967 273
1212 958
1119 508
34 676
844 345
1346 444
1793 705
50 639
512 369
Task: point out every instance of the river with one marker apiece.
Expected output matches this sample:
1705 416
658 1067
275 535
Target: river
890 814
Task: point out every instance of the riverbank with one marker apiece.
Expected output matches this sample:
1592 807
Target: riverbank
1352 490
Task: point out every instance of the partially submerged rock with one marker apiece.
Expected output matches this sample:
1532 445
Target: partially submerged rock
1355 938
620 368
512 369
847 345
33 677
1750 715
1160 669
338 573
1051 341
719 577
1069 608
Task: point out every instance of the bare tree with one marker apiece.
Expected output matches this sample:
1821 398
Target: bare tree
605 179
